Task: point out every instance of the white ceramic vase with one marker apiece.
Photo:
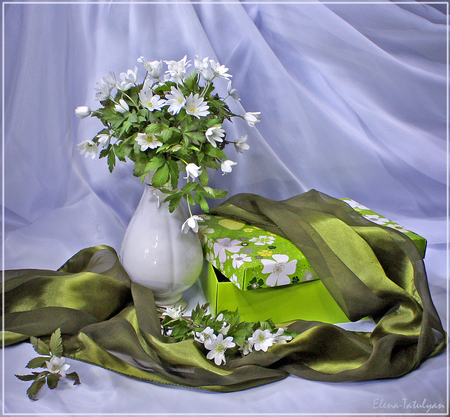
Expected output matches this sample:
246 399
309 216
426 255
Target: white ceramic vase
156 254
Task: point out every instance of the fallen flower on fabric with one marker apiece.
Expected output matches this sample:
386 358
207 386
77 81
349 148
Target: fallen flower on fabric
204 335
261 340
217 347
57 366
279 338
173 312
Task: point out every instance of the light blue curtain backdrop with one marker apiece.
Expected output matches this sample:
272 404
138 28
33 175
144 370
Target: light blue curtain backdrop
353 102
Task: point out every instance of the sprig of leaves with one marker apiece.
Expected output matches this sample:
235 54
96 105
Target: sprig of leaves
51 358
177 328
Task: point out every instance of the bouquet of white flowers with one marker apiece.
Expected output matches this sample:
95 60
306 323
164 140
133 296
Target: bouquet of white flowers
170 123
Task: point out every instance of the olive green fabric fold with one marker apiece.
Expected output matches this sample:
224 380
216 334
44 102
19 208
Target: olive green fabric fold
371 271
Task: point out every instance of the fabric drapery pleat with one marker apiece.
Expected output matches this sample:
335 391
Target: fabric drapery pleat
370 270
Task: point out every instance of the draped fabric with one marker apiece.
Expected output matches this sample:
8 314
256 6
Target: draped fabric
353 103
371 271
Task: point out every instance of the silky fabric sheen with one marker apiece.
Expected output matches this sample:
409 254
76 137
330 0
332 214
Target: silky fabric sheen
370 270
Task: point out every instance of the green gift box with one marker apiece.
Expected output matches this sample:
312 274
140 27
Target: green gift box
265 276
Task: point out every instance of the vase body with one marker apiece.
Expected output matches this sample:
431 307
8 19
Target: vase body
156 254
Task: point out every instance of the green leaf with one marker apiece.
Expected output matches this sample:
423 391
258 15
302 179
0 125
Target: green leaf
161 176
39 346
215 152
74 376
216 194
111 160
191 81
35 388
27 377
56 346
38 362
154 163
204 177
154 128
201 200
195 137
52 380
174 173
173 204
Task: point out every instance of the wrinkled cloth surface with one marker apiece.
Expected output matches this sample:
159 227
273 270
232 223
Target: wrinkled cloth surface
370 270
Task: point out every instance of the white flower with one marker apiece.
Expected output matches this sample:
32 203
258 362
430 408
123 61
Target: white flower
252 118
57 366
240 144
261 340
262 240
104 139
226 244
225 328
128 79
232 91
150 101
122 107
279 338
177 69
206 71
204 335
153 68
278 270
215 134
147 140
191 223
88 148
174 313
219 70
217 348
226 166
175 100
196 106
82 112
247 347
192 171
239 259
105 86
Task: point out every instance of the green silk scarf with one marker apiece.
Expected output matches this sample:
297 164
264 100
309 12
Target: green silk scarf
370 270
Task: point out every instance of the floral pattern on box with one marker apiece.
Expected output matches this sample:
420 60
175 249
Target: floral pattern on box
251 257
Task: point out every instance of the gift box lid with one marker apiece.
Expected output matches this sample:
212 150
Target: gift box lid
253 258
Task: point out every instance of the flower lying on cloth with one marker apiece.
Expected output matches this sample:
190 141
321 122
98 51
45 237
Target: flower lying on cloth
224 335
50 359
172 122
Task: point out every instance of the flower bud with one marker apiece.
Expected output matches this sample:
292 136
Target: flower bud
82 111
